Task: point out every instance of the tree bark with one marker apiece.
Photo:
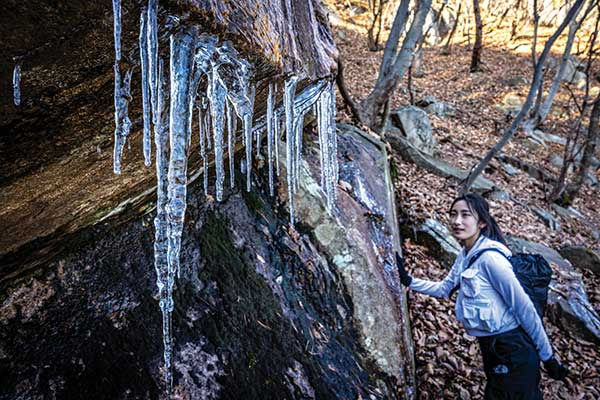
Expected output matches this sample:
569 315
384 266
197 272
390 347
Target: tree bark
341 84
393 67
377 8
537 77
590 149
453 31
540 113
536 21
477 46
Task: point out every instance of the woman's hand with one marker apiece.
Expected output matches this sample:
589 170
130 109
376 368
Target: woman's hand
405 278
555 369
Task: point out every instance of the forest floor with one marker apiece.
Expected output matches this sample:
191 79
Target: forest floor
448 360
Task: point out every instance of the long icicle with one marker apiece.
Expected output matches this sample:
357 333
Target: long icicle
181 73
152 46
270 136
143 43
165 277
248 133
206 131
230 144
122 122
288 101
17 84
201 129
117 28
217 96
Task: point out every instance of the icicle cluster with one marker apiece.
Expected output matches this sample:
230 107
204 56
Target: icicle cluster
17 84
168 107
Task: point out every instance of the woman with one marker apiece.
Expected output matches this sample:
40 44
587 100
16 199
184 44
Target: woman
492 305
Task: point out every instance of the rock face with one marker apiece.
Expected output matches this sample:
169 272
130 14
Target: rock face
261 311
582 257
415 124
568 304
65 123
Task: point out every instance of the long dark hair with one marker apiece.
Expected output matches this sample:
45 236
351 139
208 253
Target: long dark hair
479 206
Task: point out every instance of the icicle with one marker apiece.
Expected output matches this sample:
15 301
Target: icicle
152 49
333 137
230 144
276 129
217 95
165 277
288 100
202 128
143 43
299 129
181 67
270 136
117 28
247 120
205 139
17 84
122 122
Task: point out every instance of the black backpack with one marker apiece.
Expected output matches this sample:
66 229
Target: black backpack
533 273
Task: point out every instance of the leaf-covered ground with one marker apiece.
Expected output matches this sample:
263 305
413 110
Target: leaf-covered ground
449 364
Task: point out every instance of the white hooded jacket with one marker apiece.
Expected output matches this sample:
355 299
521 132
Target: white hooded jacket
490 298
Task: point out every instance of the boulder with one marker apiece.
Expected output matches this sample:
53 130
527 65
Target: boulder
568 304
573 72
415 124
289 311
433 106
511 104
550 220
439 241
434 165
582 257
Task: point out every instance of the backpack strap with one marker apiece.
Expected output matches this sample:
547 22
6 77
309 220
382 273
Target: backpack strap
471 262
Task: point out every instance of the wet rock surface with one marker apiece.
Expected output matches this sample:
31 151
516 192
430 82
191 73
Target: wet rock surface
262 311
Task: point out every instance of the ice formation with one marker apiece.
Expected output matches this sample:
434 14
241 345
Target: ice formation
117 28
122 122
165 276
17 84
143 42
152 46
199 63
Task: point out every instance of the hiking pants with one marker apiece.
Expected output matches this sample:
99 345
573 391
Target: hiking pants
511 365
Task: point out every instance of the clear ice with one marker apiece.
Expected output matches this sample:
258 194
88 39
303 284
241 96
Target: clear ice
270 136
165 276
229 95
288 103
17 84
122 122
152 46
117 28
143 43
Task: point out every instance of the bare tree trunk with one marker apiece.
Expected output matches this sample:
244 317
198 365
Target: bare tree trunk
350 103
535 85
393 67
540 113
516 20
391 46
536 21
590 148
451 35
476 56
377 8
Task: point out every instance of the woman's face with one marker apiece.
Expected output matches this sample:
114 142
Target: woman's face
464 223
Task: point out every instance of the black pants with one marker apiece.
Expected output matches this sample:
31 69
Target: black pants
511 365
